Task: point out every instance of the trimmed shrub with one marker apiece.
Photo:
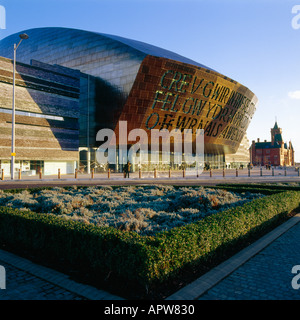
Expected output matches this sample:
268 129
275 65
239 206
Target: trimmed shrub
75 244
213 237
261 188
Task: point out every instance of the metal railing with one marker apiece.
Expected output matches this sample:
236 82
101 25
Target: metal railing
157 174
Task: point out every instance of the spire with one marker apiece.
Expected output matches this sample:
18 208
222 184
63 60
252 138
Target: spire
276 135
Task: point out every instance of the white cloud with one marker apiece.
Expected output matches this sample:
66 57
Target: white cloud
294 94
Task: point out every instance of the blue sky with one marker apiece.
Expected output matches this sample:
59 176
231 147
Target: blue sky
251 41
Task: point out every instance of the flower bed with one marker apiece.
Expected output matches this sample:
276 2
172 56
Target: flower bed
144 209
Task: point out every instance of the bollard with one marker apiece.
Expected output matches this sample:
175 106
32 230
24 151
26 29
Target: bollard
170 172
76 173
223 172
140 174
108 173
2 174
40 174
183 173
261 172
273 172
298 172
92 174
19 174
236 172
155 173
210 173
248 172
58 173
285 171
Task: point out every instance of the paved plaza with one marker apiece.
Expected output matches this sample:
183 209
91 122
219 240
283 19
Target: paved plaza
26 280
262 271
266 276
22 285
213 177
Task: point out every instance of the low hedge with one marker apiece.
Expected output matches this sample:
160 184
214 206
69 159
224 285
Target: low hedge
274 187
74 244
266 189
213 237
108 252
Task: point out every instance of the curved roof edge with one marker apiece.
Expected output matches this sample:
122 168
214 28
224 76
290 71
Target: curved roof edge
140 46
154 50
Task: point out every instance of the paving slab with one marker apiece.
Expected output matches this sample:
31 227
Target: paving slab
262 271
25 280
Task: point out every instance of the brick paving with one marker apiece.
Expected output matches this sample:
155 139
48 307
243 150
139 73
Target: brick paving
261 271
266 276
21 285
26 280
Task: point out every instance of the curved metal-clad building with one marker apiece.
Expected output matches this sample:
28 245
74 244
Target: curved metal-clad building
114 59
149 87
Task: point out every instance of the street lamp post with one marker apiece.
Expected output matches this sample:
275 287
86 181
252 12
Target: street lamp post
23 36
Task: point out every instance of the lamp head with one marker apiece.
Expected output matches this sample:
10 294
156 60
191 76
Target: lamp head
23 36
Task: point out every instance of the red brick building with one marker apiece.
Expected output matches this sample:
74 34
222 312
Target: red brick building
275 153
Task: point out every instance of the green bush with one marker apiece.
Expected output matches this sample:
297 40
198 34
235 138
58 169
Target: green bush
145 260
260 187
75 244
266 189
212 237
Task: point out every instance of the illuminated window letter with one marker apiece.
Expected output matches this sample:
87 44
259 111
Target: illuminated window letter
163 79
